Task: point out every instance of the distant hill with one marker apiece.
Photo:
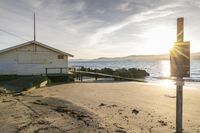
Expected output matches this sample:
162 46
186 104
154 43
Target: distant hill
80 60
194 56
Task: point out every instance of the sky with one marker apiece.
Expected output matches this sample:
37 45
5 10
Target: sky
90 29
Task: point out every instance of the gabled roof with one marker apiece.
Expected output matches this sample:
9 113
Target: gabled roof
37 43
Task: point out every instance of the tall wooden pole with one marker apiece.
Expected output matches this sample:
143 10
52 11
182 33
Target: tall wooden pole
180 68
179 104
179 82
180 29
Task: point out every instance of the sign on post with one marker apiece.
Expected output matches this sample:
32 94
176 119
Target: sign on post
180 60
179 68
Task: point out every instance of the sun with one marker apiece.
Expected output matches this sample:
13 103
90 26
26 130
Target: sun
167 83
160 38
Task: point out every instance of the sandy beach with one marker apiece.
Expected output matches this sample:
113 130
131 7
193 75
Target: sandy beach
130 107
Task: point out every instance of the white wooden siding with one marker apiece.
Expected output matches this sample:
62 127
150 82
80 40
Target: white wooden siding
24 61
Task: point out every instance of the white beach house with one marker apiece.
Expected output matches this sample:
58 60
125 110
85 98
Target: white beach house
32 58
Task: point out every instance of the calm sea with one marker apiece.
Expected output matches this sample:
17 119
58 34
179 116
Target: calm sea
158 70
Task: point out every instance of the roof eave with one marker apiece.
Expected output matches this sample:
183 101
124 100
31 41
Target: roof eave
53 49
35 42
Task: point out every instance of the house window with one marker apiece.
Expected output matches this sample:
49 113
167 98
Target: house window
60 56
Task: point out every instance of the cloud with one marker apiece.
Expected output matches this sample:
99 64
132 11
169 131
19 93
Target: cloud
93 28
125 6
33 3
162 11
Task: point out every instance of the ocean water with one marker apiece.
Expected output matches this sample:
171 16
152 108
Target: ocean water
158 70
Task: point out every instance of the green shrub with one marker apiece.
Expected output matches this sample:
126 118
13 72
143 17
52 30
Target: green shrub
107 71
122 72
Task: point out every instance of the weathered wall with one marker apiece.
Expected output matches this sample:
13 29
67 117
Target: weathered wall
24 61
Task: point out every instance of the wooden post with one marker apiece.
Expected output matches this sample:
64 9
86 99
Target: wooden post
179 104
77 76
81 78
180 29
180 67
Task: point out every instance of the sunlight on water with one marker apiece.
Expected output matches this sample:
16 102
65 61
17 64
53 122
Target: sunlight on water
166 73
167 83
165 68
158 70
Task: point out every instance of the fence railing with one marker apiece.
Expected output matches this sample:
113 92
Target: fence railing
62 70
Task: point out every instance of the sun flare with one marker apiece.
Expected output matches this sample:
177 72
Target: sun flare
165 68
167 83
162 37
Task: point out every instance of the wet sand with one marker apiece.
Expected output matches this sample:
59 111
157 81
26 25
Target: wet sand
130 107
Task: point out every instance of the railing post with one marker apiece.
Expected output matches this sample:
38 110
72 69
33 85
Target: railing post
81 78
46 71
